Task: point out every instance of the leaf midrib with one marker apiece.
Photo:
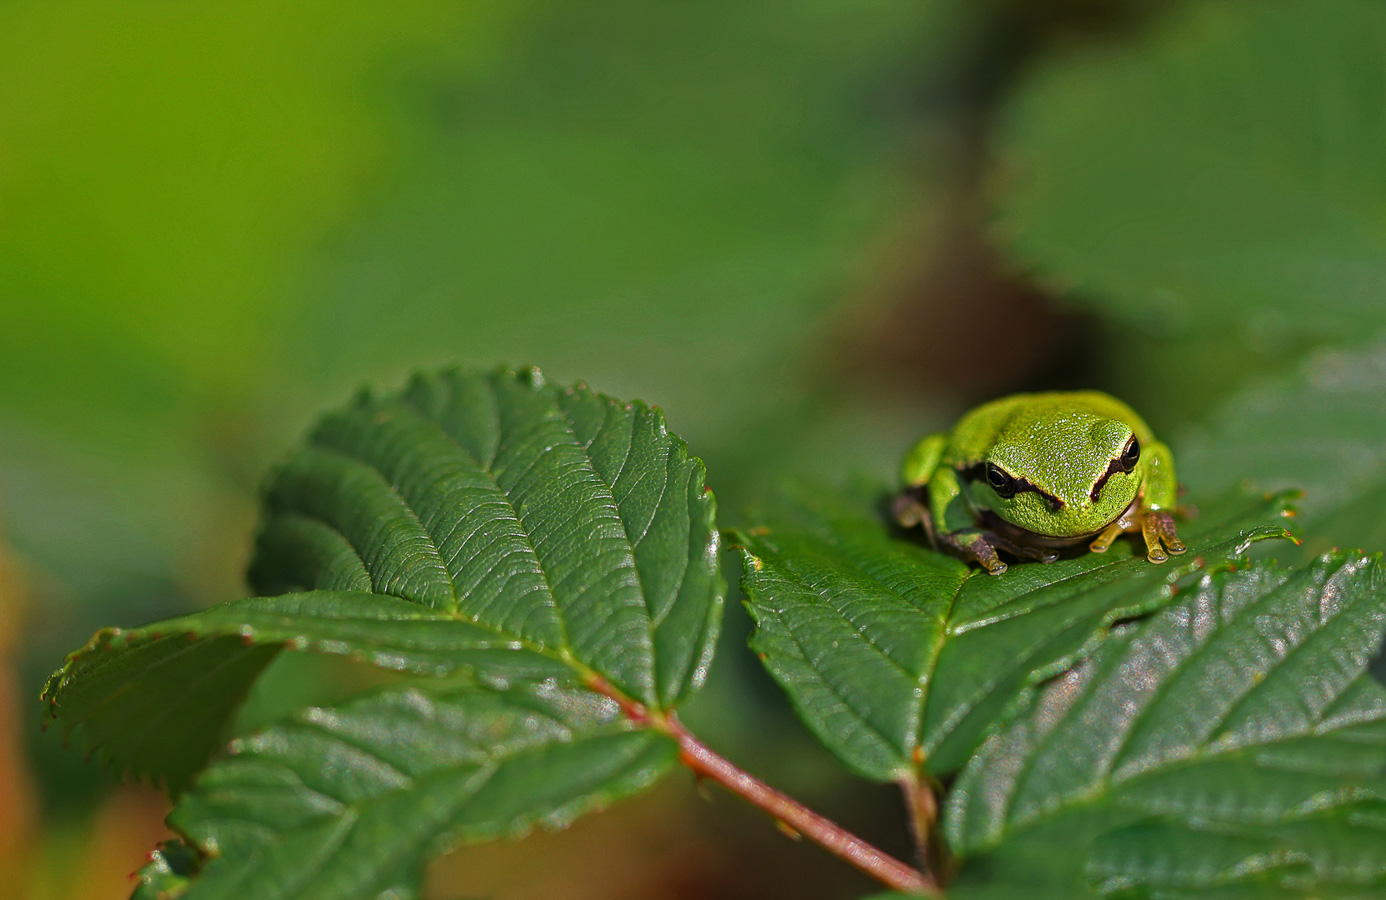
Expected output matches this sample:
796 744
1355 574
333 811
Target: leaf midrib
426 614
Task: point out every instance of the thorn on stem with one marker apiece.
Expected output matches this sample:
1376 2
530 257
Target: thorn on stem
788 830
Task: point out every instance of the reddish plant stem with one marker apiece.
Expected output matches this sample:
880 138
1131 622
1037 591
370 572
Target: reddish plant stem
787 811
922 803
822 831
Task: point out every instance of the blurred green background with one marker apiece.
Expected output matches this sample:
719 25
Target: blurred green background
809 230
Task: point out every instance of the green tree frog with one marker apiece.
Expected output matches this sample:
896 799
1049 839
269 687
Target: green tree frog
1032 473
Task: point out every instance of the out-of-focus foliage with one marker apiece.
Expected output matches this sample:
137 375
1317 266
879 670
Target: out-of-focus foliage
1223 172
208 195
218 219
1322 430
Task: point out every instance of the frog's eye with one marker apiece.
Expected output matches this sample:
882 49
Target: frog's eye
1131 455
1000 482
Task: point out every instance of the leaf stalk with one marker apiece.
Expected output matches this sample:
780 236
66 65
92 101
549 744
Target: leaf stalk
824 832
788 813
921 800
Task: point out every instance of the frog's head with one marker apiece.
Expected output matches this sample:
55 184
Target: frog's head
1060 473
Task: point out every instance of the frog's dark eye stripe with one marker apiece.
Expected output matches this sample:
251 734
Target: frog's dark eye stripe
1007 485
1126 462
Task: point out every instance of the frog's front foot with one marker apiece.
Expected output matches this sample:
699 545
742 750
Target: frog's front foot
1156 526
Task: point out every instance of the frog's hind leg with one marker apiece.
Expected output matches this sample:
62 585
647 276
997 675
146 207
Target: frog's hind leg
911 507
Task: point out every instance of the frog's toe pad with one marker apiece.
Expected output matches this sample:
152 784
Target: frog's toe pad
1165 529
980 548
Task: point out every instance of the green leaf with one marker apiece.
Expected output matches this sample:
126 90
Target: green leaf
900 659
350 801
1321 430
1233 745
491 524
693 233
157 707
180 678
1225 171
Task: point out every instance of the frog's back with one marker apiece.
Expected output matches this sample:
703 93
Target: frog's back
977 431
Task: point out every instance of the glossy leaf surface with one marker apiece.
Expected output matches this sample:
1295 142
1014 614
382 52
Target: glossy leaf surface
900 658
1233 745
350 801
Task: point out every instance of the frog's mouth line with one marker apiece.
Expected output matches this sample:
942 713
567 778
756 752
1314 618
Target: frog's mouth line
1018 535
